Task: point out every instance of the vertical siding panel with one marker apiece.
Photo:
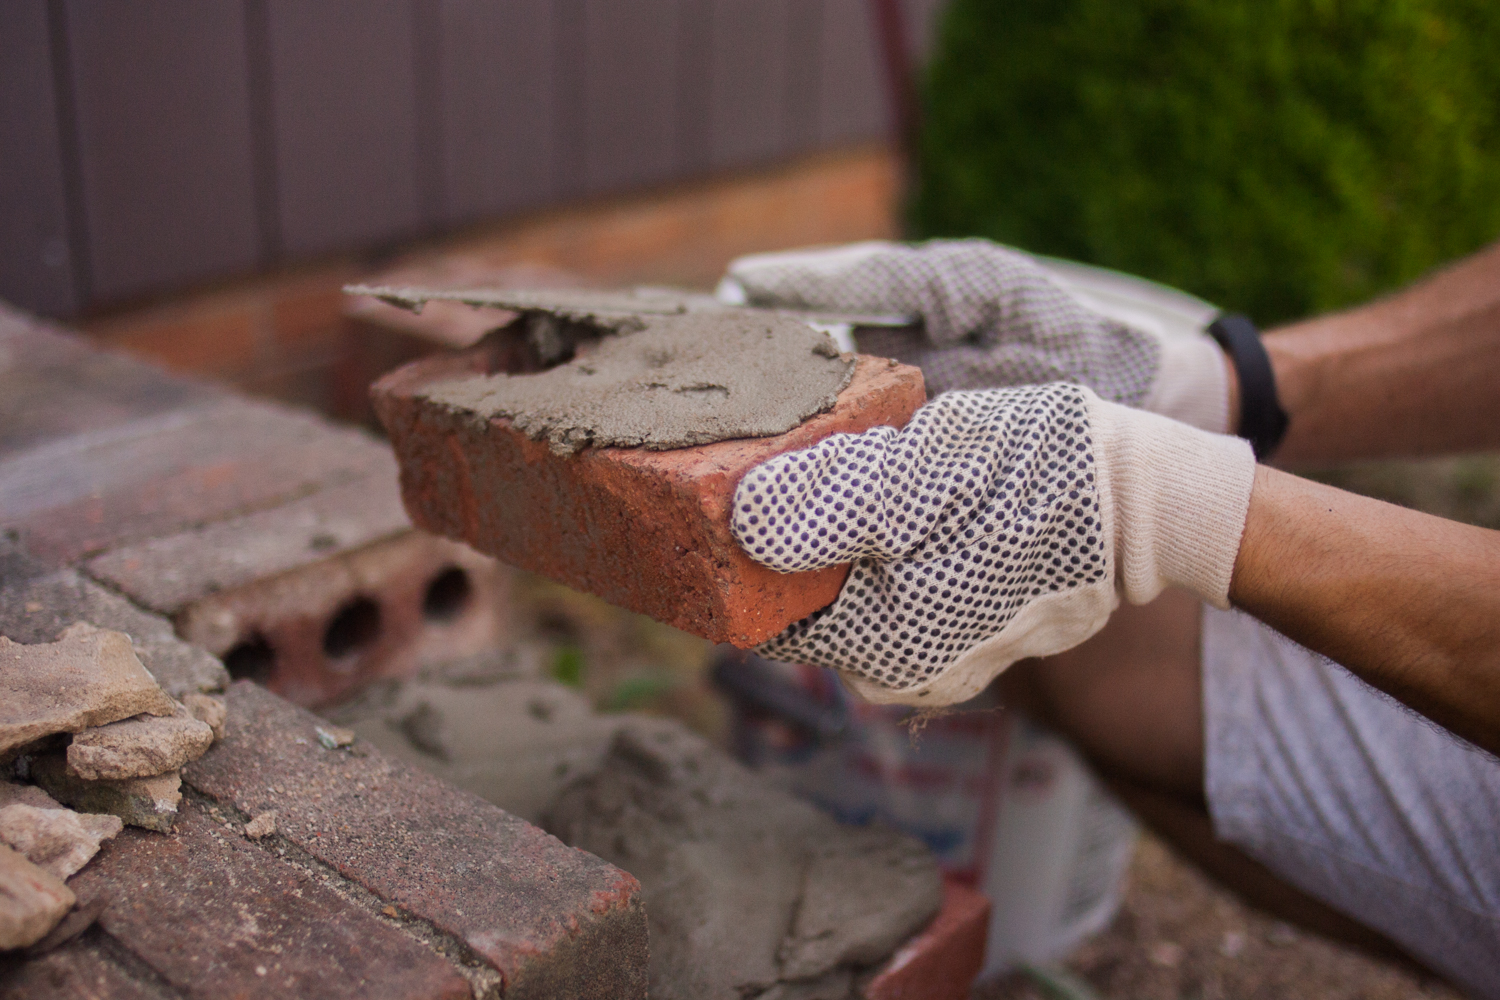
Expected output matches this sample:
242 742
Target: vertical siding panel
853 106
751 73
36 265
345 123
501 110
162 110
922 17
630 93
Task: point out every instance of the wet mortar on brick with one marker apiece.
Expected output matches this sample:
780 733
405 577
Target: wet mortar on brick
659 381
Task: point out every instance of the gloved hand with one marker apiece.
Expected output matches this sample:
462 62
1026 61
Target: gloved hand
995 526
993 316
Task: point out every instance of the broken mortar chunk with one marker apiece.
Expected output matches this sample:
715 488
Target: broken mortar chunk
138 748
263 825
208 709
32 900
150 803
89 677
333 737
53 837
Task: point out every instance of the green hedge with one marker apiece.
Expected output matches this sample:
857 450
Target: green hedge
1279 157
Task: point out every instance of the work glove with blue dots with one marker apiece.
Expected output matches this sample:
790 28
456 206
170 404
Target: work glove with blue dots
996 525
990 316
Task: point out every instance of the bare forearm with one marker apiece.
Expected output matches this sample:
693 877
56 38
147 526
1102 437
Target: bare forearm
1412 374
1408 602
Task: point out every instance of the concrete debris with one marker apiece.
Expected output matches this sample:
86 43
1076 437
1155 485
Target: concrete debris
516 743
150 803
58 840
750 892
89 677
778 896
333 737
262 825
32 900
208 709
139 748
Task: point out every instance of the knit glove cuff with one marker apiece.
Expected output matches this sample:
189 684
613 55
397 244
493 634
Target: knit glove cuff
1179 497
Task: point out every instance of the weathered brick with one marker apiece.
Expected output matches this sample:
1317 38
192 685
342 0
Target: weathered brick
53 385
553 920
36 604
297 621
163 473
645 530
82 969
216 916
941 962
168 573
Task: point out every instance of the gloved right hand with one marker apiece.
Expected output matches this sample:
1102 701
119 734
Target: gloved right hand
994 316
994 526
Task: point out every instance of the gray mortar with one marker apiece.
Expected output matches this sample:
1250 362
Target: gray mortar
678 381
750 892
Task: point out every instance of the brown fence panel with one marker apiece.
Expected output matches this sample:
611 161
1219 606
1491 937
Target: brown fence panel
344 119
853 104
36 263
751 42
501 108
163 135
630 71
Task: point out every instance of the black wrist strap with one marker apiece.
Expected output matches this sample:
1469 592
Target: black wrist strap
1262 420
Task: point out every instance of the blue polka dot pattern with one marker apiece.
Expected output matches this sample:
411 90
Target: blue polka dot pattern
983 503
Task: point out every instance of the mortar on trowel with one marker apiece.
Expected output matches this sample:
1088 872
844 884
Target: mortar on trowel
596 438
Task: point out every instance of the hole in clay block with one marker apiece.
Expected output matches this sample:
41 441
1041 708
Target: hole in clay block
355 626
447 595
251 659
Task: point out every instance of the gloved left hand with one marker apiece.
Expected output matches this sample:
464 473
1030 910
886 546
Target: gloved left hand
995 316
997 525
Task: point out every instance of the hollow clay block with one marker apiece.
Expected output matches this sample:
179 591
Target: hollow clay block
142 747
645 530
32 900
89 677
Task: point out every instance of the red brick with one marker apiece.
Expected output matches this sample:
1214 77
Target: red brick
216 916
161 474
79 970
293 612
941 962
645 530
554 921
168 573
202 338
53 385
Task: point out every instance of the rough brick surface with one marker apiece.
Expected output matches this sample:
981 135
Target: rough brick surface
218 917
158 475
53 385
941 962
553 920
79 970
292 614
166 574
37 604
645 530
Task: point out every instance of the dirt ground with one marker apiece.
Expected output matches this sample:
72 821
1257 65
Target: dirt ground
1180 936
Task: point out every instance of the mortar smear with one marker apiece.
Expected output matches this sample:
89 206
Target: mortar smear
677 381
